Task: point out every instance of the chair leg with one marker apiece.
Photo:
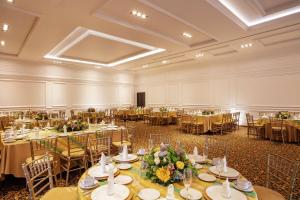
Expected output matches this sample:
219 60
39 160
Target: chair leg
68 173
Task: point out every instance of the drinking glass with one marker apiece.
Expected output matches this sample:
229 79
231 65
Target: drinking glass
187 181
219 167
150 145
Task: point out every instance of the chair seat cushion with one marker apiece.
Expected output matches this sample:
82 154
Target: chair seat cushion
217 123
118 144
264 193
75 152
66 193
278 128
29 159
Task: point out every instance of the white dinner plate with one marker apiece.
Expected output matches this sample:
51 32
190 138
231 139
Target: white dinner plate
9 140
249 189
124 166
63 134
198 166
86 187
193 194
231 173
149 194
96 172
131 158
207 177
215 193
121 192
20 137
123 180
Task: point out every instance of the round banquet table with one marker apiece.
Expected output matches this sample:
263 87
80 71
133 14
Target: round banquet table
139 183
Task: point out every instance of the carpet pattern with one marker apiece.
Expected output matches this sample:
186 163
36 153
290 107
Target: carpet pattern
247 155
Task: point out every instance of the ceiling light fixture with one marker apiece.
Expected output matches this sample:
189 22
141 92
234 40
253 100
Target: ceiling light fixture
10 1
187 35
198 55
138 14
246 45
164 62
260 20
2 43
5 27
145 66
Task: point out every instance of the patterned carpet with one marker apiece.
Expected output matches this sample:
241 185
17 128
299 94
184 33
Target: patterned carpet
247 155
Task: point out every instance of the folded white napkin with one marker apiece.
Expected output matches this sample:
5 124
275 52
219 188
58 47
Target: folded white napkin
225 164
170 194
110 181
226 189
125 152
65 129
102 163
48 124
195 152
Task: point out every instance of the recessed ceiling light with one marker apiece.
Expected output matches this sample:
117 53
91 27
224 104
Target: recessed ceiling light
10 1
138 14
145 66
187 35
198 55
5 27
164 62
2 43
246 45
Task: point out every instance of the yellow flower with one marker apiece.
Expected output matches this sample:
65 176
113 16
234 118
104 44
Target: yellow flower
179 165
163 174
157 149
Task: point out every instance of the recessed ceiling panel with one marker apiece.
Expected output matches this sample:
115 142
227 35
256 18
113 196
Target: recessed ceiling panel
101 50
20 25
158 20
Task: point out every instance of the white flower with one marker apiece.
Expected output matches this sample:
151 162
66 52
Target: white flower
157 160
193 162
165 160
156 154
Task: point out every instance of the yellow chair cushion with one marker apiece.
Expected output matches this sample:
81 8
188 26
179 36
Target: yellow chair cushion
217 123
76 152
65 193
118 144
29 159
264 193
278 128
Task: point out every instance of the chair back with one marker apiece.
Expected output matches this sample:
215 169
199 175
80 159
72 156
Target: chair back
281 175
77 143
276 123
158 138
250 120
42 146
98 145
38 176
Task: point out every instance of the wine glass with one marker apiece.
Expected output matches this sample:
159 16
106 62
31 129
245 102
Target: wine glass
187 181
150 145
219 167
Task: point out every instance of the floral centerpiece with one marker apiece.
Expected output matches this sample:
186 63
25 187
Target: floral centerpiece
72 126
163 109
283 115
208 112
41 116
91 110
165 165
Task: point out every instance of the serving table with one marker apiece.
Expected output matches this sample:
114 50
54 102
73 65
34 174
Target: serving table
14 154
140 182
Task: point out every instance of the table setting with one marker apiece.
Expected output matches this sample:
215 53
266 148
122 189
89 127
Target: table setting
165 173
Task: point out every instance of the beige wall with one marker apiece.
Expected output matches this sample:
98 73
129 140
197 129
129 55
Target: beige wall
29 84
259 81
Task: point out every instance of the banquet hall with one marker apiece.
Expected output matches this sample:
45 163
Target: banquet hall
150 100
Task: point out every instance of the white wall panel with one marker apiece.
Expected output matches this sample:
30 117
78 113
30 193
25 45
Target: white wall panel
172 94
14 93
155 95
59 94
195 93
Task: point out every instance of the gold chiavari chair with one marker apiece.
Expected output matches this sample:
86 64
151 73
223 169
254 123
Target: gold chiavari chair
39 148
197 125
253 128
277 127
236 120
126 138
97 145
185 123
38 174
75 157
216 147
281 177
219 126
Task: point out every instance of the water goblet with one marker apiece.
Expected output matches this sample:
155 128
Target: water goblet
187 181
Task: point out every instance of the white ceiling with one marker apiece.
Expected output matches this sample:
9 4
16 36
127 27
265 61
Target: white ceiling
39 27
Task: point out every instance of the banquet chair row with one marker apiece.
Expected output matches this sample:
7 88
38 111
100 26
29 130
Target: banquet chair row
253 128
228 123
191 124
38 174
